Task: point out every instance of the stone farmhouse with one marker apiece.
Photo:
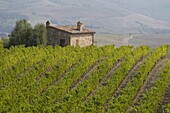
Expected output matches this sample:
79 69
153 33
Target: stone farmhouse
69 35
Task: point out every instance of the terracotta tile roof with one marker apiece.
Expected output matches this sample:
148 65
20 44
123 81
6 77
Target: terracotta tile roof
73 30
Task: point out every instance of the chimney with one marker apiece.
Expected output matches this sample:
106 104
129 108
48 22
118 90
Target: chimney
47 24
79 26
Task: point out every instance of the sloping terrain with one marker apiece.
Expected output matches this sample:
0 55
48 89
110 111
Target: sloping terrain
89 79
109 16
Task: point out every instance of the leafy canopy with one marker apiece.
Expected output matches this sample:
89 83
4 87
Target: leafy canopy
24 33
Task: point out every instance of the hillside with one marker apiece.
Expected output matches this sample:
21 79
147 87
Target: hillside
108 16
89 79
151 40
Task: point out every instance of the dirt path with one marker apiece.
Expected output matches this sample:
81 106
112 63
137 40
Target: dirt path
111 71
55 81
21 74
128 77
82 77
86 74
105 78
149 82
48 69
165 98
60 78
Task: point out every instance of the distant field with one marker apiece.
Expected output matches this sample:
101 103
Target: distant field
105 17
152 40
106 39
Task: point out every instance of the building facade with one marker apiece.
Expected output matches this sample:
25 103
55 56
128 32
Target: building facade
69 35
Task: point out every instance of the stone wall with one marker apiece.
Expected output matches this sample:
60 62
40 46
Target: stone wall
54 36
81 40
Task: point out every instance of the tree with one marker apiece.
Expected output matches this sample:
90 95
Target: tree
21 34
39 34
4 42
1 44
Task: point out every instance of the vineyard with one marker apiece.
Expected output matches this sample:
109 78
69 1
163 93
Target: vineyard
90 79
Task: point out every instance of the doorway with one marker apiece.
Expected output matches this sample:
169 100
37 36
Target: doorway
62 42
77 42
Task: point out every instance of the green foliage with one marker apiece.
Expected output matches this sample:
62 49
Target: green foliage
104 93
23 33
128 93
40 79
1 44
167 108
39 34
153 96
4 42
